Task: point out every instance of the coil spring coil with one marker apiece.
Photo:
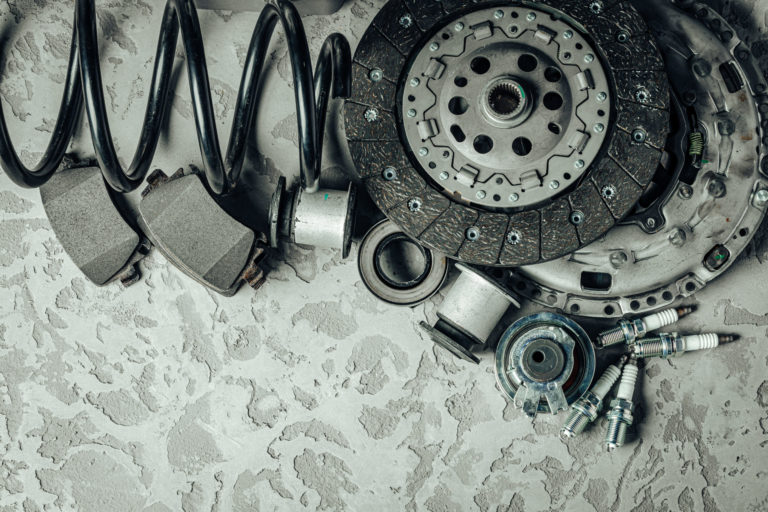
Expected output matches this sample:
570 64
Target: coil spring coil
331 79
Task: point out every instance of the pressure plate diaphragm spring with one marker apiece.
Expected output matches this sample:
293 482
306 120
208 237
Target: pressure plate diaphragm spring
332 78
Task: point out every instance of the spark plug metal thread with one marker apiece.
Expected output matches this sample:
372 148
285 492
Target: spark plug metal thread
577 420
623 332
585 410
669 345
620 417
616 435
629 331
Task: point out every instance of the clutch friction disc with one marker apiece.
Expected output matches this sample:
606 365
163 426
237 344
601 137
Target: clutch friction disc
507 133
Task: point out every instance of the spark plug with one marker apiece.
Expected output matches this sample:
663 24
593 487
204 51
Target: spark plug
620 416
585 410
629 331
668 345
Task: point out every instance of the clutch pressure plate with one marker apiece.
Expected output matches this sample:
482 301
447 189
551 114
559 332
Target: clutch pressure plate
697 218
503 133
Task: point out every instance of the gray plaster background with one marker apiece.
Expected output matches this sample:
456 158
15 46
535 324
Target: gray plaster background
308 394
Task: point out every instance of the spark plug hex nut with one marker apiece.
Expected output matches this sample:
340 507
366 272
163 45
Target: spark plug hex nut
627 331
583 412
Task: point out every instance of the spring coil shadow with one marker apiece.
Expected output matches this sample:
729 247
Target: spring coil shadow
83 85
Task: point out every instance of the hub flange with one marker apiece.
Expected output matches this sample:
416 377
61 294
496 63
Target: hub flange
502 114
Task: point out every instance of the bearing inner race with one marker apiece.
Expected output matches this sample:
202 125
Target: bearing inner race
543 360
385 244
417 285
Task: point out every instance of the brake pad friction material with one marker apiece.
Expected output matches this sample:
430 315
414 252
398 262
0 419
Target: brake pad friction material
196 235
89 225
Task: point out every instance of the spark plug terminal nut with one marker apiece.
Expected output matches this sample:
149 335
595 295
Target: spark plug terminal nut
620 416
669 345
586 409
629 331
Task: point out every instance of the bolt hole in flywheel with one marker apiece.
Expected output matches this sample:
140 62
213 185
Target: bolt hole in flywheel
507 122
704 207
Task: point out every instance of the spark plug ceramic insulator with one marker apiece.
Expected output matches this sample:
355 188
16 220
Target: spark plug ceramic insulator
585 410
629 331
668 345
620 417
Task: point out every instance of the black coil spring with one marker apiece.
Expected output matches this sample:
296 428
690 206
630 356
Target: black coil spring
331 79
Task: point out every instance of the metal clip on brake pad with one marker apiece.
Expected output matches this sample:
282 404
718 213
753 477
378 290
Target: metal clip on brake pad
184 222
321 219
90 227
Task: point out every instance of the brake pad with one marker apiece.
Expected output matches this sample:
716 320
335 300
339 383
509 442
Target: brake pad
90 227
184 222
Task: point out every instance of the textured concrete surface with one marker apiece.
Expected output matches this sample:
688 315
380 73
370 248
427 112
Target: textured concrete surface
308 394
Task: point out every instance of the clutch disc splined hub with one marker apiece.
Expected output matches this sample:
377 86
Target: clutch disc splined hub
507 133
